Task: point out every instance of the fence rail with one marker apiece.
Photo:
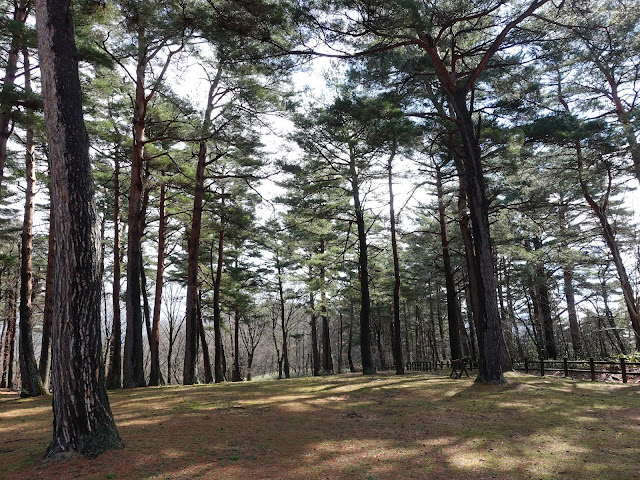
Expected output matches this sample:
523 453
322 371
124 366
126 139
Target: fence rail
428 366
578 366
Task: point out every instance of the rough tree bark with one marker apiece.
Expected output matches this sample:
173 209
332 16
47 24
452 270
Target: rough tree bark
83 423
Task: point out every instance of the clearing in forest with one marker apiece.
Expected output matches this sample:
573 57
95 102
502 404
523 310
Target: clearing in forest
417 426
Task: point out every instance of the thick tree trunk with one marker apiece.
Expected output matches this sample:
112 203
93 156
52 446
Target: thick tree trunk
488 323
155 376
368 365
83 423
315 355
20 14
31 383
114 375
191 342
133 343
397 338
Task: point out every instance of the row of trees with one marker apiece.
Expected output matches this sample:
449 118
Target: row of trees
516 124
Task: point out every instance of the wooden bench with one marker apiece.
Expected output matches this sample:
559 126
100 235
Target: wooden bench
458 367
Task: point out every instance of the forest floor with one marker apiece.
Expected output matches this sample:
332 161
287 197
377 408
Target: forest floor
418 426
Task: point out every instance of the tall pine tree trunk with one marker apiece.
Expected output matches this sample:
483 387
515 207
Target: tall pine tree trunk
191 343
488 323
315 354
44 365
352 368
114 375
449 281
8 350
206 358
83 423
397 338
283 323
155 376
368 365
133 344
235 375
31 383
217 317
609 235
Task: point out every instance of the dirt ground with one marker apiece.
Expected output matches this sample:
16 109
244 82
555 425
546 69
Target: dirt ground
418 426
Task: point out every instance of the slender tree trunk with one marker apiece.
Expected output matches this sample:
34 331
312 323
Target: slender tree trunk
368 365
452 297
219 355
31 383
467 240
542 290
236 376
315 355
83 423
340 335
397 338
352 368
610 239
10 337
20 14
191 343
155 376
114 375
283 324
208 373
133 344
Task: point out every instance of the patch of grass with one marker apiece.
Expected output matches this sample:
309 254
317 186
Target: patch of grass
382 427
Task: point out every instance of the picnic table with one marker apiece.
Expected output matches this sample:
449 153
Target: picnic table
458 367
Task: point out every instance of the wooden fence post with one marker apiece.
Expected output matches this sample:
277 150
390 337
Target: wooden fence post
565 364
526 365
592 366
623 369
541 367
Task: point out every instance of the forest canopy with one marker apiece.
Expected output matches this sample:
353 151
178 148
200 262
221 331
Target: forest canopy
286 188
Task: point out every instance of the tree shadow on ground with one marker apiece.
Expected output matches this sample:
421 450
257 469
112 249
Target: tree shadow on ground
353 427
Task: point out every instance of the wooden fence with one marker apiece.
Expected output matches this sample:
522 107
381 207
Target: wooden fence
430 366
567 366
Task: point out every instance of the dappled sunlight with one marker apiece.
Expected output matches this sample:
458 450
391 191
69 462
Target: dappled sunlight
350 427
